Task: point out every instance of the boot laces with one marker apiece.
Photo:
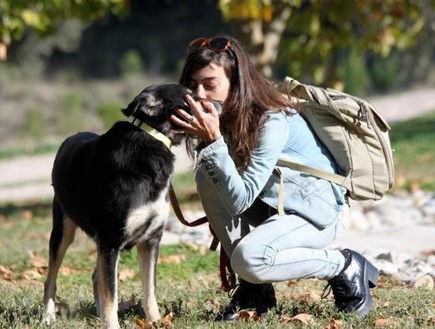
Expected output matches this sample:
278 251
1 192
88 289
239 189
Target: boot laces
340 290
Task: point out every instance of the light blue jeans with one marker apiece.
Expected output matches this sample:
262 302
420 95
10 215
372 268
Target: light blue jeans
265 247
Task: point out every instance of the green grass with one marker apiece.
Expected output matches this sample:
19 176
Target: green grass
413 142
188 286
30 148
187 278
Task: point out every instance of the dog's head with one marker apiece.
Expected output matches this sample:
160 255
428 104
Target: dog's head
156 103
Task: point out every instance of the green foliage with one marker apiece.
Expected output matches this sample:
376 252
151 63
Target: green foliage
252 9
386 73
354 74
110 113
35 124
131 63
72 115
317 37
44 15
29 57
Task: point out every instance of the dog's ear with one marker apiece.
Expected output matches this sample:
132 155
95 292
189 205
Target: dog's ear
146 102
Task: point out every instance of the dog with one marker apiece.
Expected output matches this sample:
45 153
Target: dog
114 187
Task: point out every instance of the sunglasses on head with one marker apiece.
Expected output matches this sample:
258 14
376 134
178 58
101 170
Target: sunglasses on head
216 43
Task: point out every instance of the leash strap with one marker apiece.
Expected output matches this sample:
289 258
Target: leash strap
227 275
177 210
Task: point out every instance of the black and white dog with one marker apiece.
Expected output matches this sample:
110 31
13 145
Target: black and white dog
115 188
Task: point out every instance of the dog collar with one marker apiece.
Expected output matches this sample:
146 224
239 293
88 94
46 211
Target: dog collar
150 131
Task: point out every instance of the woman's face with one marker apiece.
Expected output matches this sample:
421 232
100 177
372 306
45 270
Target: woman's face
210 83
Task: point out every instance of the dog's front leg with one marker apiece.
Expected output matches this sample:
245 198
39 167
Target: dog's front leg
105 283
148 254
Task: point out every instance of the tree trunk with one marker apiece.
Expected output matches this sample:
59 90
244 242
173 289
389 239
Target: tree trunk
261 38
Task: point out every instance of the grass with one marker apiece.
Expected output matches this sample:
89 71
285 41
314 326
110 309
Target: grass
414 151
188 286
187 276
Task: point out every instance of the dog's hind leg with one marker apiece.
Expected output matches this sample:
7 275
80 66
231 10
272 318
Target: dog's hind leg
105 287
95 287
61 237
148 254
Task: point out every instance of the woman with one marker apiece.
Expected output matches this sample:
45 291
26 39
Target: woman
238 182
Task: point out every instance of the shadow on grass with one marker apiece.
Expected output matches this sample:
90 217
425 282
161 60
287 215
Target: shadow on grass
40 209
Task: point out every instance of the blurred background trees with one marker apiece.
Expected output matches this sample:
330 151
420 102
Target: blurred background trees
71 65
364 46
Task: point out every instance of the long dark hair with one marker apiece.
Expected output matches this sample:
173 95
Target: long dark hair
251 94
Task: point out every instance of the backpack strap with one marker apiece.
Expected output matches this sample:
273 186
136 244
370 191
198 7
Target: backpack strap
334 178
290 84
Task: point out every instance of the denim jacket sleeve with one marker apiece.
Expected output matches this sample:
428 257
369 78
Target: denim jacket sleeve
317 200
239 191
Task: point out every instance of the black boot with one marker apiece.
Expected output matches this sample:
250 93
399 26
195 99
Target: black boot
248 296
351 287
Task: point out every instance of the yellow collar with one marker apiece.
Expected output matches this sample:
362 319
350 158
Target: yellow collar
150 131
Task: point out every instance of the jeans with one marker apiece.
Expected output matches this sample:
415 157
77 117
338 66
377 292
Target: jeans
265 247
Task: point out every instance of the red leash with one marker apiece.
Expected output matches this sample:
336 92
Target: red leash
227 275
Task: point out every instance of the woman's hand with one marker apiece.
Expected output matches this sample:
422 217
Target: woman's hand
203 122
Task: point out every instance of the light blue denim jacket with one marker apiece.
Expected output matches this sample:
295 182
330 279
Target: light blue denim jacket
282 135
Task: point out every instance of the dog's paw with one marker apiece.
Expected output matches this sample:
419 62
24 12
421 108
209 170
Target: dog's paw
49 318
55 310
50 312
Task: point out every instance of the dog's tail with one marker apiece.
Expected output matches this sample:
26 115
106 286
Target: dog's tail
57 230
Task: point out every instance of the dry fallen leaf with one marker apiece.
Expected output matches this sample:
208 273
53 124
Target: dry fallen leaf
126 273
292 283
191 245
303 318
141 324
27 214
39 262
285 319
65 270
310 295
203 250
175 259
384 323
31 275
334 324
5 273
167 321
249 315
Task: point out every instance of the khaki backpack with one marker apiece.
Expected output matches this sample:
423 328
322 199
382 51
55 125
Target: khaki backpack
354 133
